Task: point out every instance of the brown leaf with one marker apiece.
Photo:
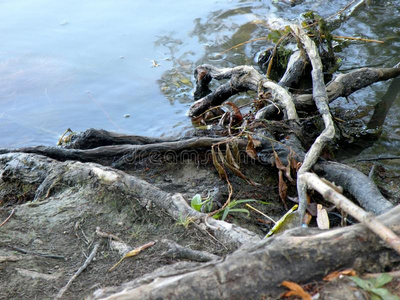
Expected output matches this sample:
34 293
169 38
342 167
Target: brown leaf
282 189
239 174
336 274
217 165
250 148
229 157
236 152
238 115
295 290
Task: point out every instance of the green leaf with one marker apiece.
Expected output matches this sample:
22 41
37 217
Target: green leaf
382 280
225 214
196 202
364 284
244 201
242 210
384 294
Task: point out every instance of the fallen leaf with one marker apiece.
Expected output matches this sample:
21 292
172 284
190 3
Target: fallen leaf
236 152
282 189
295 290
229 157
238 115
217 165
322 217
335 274
131 253
250 148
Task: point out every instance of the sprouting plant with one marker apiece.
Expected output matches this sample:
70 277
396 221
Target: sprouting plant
184 221
198 204
374 286
230 208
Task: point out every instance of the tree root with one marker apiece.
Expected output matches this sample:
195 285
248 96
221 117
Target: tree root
257 270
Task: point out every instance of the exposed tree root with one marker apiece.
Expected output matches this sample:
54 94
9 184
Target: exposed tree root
256 270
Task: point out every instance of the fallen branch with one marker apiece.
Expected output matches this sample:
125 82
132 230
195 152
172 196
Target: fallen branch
80 270
313 181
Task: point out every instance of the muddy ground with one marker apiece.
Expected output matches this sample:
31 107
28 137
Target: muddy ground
46 241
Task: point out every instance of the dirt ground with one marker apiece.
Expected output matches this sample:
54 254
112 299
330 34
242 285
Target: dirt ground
45 242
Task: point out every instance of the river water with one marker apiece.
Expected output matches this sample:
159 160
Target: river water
127 66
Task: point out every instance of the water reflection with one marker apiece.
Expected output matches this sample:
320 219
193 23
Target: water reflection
62 67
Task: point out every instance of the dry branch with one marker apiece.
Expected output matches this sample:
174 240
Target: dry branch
80 270
368 219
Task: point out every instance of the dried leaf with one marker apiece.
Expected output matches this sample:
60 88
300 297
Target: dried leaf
282 189
336 274
322 217
236 152
217 165
229 157
250 148
295 290
238 115
131 253
239 174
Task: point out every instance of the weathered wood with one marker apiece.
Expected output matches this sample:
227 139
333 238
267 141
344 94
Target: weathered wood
357 184
257 270
245 78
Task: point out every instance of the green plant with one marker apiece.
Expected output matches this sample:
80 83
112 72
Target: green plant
184 221
230 209
198 204
374 286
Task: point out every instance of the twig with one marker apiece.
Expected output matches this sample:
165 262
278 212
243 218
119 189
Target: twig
8 218
80 270
244 43
368 219
24 251
271 60
108 235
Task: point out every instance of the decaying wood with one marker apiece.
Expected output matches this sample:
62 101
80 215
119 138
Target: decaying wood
313 181
257 270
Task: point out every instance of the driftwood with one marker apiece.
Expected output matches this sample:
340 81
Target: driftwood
245 78
257 270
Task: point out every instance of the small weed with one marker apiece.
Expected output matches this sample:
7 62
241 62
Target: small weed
374 286
184 221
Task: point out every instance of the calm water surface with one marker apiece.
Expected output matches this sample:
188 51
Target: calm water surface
81 64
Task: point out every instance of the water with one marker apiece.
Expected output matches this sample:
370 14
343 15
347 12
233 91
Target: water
82 64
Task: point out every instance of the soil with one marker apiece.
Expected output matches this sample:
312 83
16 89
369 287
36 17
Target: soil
47 240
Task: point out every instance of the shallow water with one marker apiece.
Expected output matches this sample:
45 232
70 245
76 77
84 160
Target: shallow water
81 64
